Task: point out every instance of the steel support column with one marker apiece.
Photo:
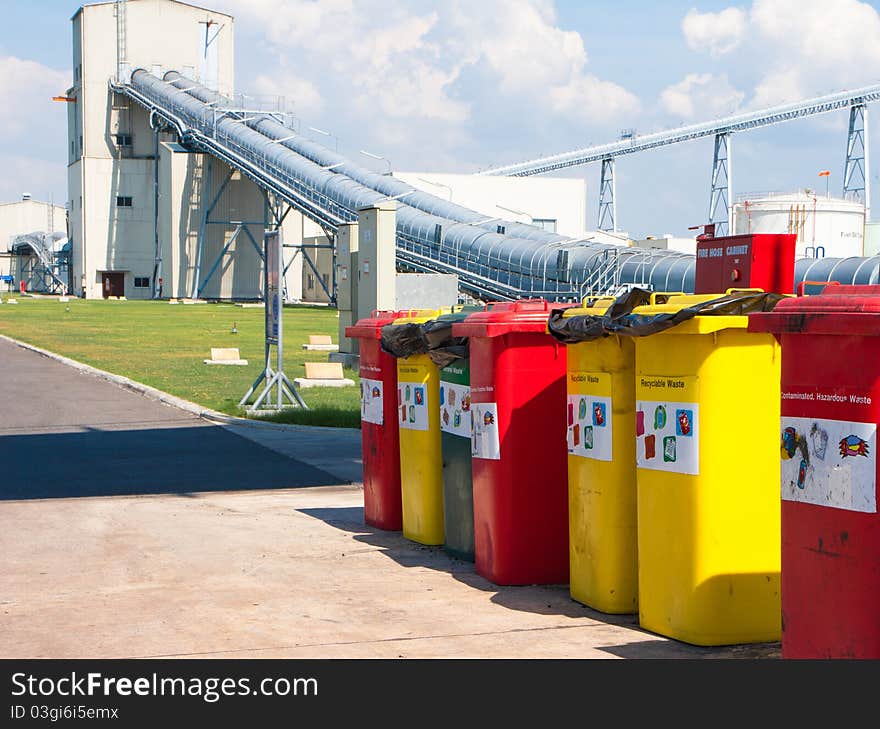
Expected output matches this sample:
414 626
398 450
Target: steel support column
720 209
607 199
197 290
856 179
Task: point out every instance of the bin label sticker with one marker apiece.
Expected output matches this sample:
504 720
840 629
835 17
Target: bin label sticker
371 401
412 405
668 423
485 442
668 436
588 415
829 463
455 409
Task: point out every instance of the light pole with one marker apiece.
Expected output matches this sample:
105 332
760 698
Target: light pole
516 212
376 156
438 184
327 134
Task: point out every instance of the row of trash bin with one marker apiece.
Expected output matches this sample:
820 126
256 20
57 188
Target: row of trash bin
633 448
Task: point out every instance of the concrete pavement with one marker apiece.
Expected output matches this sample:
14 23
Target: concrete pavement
220 552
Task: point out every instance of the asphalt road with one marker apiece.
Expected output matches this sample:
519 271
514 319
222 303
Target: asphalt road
65 433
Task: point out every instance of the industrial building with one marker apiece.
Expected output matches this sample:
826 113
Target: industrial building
28 216
33 243
149 217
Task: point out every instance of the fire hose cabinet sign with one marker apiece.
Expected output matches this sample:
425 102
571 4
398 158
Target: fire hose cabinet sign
828 471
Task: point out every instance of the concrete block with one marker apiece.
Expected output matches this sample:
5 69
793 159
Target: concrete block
321 347
321 343
324 370
306 382
225 356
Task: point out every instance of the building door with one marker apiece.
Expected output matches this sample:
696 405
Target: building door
112 284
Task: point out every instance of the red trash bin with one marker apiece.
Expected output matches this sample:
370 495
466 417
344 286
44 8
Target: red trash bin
518 447
380 440
828 447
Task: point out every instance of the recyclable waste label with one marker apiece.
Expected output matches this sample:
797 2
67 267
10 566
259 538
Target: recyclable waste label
667 430
485 442
588 415
829 463
371 401
455 409
412 405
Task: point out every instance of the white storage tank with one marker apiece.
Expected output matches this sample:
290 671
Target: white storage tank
827 227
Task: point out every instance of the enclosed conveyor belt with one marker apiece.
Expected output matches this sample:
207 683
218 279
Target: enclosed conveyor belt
493 259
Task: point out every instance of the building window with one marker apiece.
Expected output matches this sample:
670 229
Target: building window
122 140
548 224
142 282
123 201
311 281
325 277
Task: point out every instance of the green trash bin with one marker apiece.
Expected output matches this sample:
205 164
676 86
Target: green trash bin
450 355
455 442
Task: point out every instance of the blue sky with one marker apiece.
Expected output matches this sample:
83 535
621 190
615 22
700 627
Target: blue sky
458 86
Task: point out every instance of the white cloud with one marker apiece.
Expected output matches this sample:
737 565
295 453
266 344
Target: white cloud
719 33
42 178
300 95
701 96
780 86
793 48
409 63
592 99
815 46
32 130
31 85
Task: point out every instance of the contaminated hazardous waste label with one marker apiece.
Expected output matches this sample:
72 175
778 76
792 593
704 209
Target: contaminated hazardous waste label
455 409
829 463
588 415
667 424
371 401
485 442
412 405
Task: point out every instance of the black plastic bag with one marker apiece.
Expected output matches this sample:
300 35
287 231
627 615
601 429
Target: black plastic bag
433 338
443 348
619 319
403 340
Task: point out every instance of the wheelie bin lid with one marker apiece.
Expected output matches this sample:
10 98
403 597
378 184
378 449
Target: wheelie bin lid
837 309
599 305
371 327
699 324
420 316
505 317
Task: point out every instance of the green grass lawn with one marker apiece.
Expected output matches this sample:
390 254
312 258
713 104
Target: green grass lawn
163 345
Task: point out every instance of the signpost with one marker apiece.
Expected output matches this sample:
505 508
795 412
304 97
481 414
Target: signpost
273 291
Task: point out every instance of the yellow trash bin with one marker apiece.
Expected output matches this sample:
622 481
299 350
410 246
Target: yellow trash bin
421 461
707 430
603 553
